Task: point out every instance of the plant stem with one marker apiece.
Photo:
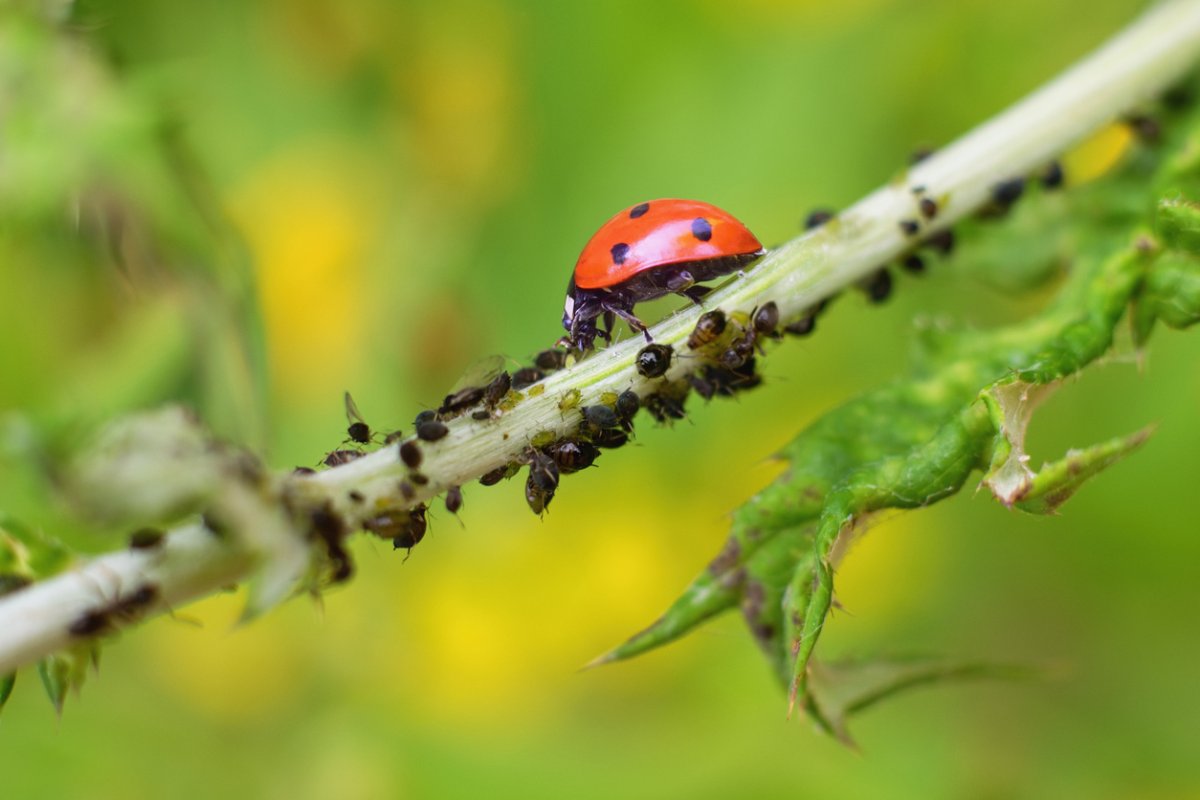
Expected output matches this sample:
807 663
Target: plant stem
1140 62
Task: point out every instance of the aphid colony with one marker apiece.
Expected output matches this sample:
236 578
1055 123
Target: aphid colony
648 250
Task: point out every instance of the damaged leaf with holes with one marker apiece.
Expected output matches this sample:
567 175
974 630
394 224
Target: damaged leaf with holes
962 409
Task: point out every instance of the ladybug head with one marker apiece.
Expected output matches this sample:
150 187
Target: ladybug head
569 305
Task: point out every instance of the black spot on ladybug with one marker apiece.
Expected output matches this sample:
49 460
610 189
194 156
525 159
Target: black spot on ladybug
619 251
909 226
701 229
638 210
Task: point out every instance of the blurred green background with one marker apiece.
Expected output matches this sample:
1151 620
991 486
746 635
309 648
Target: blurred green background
411 183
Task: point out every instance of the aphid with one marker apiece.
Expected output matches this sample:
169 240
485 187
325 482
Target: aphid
1052 176
418 479
1145 127
919 155
550 360
664 407
146 539
766 319
803 326
90 623
428 415
909 227
542 481
702 386
526 377
627 405
741 347
358 431
496 390
454 499
710 325
215 523
11 582
660 247
818 217
569 400
331 530
481 415
537 498
406 490
431 431
727 382
413 531
572 455
879 286
495 476
458 402
653 360
1004 195
928 206
608 438
304 471
542 470
601 416
356 496
101 619
913 263
941 242
338 457
410 454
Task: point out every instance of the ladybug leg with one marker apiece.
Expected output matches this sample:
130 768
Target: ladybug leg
628 316
680 281
608 326
696 293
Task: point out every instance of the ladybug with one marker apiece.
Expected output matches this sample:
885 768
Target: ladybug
659 247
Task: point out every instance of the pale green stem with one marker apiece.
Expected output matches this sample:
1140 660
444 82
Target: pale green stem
1142 61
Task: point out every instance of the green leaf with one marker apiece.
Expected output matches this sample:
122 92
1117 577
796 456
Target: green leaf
55 672
843 689
6 687
964 407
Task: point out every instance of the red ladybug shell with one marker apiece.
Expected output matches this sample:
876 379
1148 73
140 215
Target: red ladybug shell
658 232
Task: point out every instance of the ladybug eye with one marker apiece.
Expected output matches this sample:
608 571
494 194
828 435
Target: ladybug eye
701 229
619 252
